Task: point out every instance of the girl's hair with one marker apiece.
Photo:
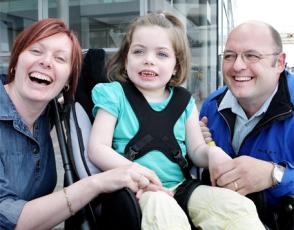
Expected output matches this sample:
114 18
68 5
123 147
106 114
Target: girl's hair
38 31
177 33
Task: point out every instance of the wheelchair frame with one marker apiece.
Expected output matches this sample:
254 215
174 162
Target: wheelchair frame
90 216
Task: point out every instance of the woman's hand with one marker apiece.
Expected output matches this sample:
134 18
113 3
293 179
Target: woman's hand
134 176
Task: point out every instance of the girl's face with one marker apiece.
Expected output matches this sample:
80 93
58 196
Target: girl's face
43 69
151 58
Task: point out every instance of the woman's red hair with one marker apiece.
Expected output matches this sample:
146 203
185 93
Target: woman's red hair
38 31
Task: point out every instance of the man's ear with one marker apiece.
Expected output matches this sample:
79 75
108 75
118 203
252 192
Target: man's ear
281 62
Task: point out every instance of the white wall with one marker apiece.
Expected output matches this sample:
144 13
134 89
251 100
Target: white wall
277 13
289 50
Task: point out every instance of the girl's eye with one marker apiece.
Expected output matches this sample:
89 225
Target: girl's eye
162 54
138 51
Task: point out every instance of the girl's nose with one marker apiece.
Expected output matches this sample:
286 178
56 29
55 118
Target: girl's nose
149 59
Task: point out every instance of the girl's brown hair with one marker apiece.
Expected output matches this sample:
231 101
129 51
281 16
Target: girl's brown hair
116 66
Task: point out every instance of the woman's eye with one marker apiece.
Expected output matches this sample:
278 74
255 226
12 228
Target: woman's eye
60 59
35 51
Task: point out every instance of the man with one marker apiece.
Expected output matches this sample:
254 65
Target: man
252 117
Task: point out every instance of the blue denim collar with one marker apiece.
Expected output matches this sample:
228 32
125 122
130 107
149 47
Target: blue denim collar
8 110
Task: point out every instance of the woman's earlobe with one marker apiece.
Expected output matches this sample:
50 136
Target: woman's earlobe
66 87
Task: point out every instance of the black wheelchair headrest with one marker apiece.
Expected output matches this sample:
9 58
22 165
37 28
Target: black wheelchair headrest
93 72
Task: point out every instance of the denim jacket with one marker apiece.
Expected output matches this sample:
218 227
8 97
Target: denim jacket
27 163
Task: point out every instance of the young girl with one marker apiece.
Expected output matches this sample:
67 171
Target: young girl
146 117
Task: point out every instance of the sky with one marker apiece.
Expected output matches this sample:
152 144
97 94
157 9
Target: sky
279 14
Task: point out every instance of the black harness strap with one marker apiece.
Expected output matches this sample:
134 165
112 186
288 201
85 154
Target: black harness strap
156 127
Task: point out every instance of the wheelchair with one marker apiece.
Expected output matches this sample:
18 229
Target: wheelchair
119 210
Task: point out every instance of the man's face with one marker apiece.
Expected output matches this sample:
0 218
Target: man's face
251 64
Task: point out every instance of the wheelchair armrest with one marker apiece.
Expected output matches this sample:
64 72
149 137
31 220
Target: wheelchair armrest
288 203
120 210
286 215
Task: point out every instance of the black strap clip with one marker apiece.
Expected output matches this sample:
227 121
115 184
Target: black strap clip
131 155
180 159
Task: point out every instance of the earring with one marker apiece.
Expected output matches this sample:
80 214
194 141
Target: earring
66 88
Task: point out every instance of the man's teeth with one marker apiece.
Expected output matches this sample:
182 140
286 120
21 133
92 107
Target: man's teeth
242 78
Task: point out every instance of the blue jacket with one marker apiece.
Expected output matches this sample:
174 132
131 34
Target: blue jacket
272 139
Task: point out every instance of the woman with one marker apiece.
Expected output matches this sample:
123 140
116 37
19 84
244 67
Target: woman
45 59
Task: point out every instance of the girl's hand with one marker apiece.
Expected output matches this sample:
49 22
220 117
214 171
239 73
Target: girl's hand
205 130
216 156
154 188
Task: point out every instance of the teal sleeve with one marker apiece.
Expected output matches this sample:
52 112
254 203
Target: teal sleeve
106 96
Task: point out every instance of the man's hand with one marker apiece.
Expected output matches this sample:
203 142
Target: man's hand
244 174
204 130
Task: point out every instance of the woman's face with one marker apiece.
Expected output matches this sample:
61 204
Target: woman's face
43 69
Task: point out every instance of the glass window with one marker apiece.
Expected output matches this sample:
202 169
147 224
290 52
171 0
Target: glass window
98 24
15 15
102 23
200 19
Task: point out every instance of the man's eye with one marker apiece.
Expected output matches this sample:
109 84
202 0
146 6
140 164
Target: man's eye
251 55
230 57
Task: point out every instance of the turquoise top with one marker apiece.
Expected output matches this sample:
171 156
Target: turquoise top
111 97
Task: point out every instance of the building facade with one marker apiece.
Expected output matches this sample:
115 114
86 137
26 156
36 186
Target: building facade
102 23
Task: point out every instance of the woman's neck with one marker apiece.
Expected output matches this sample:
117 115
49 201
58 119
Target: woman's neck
28 110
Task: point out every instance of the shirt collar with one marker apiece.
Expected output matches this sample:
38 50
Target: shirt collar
7 110
230 102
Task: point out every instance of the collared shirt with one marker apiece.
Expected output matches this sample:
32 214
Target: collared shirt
27 163
243 125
